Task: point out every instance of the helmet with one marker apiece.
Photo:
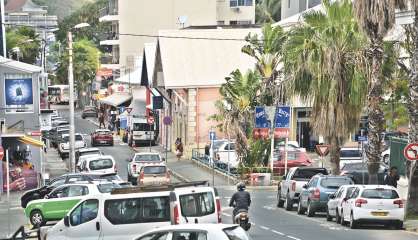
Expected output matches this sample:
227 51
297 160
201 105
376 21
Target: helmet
241 186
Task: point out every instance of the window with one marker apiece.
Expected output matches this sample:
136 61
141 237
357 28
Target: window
141 127
239 3
75 191
355 193
350 153
242 22
308 173
138 210
155 236
313 182
61 192
349 192
100 164
220 22
154 170
57 182
380 193
335 182
338 194
189 235
197 204
230 146
236 233
85 212
75 179
147 158
107 187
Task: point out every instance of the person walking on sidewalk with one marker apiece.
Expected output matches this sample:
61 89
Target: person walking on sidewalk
392 177
179 148
101 120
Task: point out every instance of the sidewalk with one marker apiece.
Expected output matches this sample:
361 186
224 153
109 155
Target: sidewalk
54 165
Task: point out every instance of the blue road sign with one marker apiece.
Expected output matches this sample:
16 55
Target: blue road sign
212 135
362 138
261 120
121 109
282 118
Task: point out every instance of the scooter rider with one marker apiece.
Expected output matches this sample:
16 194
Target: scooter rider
241 200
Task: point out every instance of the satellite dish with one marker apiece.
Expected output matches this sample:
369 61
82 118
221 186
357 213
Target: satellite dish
182 20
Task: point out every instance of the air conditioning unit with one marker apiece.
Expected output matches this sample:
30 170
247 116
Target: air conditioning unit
235 9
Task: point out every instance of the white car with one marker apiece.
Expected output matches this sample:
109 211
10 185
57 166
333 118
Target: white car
350 155
225 153
291 146
140 159
104 164
198 232
64 146
83 158
335 202
373 204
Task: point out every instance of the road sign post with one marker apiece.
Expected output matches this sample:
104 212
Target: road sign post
322 151
150 121
212 138
282 126
167 122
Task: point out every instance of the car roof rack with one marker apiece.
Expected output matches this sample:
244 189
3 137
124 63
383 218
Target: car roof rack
166 187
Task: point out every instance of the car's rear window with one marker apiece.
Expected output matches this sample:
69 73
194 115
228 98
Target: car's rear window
147 158
335 182
350 153
103 133
236 233
197 204
107 187
380 194
100 164
154 169
308 173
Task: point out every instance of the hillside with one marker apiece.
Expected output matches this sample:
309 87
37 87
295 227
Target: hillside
62 8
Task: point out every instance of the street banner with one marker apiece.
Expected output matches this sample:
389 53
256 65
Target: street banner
19 95
261 119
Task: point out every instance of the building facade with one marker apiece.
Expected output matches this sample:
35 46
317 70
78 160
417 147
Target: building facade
292 7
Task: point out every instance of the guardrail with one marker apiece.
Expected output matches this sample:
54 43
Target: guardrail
219 166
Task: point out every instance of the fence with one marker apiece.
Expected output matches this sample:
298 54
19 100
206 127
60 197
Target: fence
219 166
397 158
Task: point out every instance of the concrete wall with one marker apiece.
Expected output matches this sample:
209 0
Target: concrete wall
206 99
226 13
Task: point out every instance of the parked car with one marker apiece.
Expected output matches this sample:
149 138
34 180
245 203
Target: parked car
154 175
334 205
126 213
290 187
85 152
64 146
291 146
314 196
55 135
139 160
350 155
59 122
374 204
294 159
89 111
101 137
83 159
358 170
197 231
104 164
57 203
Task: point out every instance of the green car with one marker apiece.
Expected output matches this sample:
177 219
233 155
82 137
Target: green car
58 203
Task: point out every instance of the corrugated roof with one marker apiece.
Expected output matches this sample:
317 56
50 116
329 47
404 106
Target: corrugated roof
19 65
202 63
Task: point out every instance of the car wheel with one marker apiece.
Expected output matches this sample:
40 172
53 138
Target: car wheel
310 211
399 225
288 203
280 202
300 210
92 143
337 217
353 223
329 217
111 144
386 159
342 221
36 218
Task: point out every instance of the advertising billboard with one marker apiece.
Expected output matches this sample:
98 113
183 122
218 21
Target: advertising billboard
18 95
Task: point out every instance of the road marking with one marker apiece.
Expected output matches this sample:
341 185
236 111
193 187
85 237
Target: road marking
279 233
226 214
294 238
269 207
264 227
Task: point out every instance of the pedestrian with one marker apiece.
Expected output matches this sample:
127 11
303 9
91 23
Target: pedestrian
392 177
117 123
179 148
101 120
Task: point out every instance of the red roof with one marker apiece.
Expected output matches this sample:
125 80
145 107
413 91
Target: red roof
14 5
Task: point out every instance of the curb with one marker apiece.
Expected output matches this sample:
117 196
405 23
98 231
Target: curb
216 171
183 179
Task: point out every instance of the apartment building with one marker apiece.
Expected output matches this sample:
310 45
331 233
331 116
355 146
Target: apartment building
292 7
146 18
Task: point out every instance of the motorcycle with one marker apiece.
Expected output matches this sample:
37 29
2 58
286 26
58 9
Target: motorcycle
243 220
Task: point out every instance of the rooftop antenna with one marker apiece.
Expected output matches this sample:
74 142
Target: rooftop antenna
182 20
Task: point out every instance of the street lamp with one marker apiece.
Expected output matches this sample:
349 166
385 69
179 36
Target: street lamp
71 101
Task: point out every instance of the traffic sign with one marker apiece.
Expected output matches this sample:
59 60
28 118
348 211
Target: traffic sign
362 138
1 153
150 120
167 120
261 120
322 150
282 118
212 135
128 110
411 152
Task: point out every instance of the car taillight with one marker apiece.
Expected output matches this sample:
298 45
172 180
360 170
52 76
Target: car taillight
176 215
399 202
115 168
360 202
218 208
316 194
293 186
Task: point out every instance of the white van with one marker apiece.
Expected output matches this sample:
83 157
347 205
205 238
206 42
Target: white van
131 211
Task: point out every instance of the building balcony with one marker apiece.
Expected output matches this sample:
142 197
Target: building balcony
110 39
108 14
109 61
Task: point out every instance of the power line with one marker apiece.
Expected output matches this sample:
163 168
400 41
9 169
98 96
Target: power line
183 37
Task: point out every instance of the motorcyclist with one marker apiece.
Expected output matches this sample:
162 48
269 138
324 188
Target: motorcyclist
241 200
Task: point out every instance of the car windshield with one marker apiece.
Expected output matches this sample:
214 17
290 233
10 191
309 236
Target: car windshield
154 169
335 182
348 153
147 158
380 193
236 233
141 127
308 173
100 164
107 187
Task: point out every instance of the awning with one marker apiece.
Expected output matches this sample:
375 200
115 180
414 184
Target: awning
116 99
31 141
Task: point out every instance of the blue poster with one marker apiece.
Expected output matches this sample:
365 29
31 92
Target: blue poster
261 118
18 91
282 119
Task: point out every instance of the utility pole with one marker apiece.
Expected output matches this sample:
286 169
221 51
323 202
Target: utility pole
71 104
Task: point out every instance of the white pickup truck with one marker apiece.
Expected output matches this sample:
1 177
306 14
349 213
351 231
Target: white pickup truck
291 185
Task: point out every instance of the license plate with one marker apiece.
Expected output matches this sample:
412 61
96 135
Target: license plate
102 141
380 214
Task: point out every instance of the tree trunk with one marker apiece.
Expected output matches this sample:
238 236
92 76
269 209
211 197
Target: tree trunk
375 113
412 168
335 155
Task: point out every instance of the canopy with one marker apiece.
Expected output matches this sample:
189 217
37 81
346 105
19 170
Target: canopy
31 141
116 99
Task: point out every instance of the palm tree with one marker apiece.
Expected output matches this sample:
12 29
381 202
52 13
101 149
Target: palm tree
267 50
376 18
321 62
267 11
235 110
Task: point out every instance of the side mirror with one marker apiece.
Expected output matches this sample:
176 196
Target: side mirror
305 186
332 196
66 221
